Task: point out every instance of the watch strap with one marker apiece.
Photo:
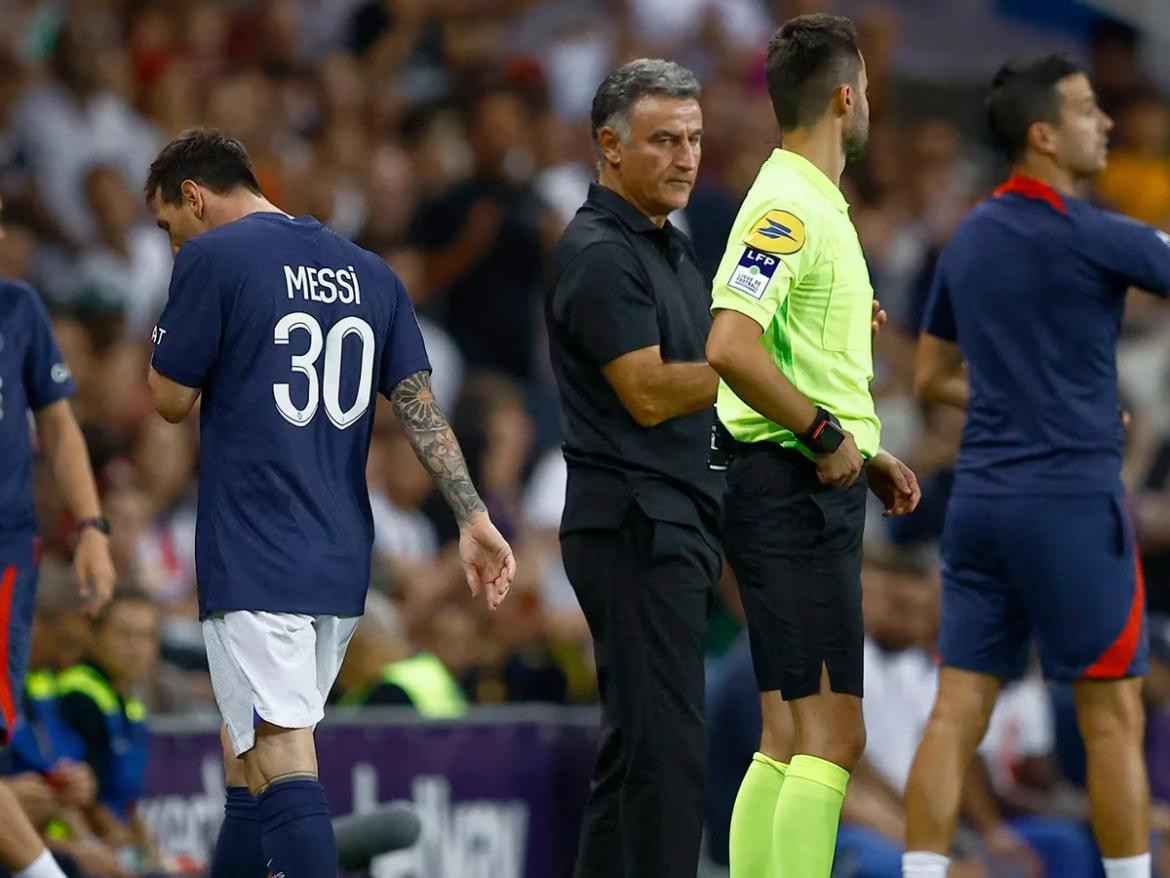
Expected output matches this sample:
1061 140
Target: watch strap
97 522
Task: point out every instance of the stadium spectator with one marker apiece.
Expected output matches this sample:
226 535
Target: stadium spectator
100 706
126 270
484 239
72 121
1014 784
1137 179
1149 466
381 668
404 537
901 614
496 436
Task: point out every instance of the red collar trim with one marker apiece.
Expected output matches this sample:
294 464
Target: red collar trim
1031 188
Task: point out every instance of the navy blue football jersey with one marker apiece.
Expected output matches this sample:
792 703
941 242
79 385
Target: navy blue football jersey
289 330
33 375
1032 288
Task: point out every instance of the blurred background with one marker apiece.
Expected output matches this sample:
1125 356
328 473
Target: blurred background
451 138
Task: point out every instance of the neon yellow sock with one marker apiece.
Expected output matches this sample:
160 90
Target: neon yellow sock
750 842
804 830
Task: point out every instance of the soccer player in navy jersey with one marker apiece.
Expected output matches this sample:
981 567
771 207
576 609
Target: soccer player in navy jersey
1021 330
286 330
34 377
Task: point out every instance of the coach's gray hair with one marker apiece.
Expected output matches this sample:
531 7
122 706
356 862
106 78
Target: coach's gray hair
630 83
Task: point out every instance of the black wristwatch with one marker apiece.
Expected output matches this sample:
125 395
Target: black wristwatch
97 522
825 435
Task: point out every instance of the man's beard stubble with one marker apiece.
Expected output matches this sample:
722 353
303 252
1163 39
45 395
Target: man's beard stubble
853 142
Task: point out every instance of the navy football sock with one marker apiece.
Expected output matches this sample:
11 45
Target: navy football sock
297 832
237 852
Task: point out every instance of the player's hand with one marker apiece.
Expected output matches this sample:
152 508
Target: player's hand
879 318
487 559
74 782
1004 846
894 484
841 468
95 570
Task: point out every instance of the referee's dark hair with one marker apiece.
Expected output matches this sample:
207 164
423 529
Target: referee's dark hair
809 57
205 155
1021 94
631 82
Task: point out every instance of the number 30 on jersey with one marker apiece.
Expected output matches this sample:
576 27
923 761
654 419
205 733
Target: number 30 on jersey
327 389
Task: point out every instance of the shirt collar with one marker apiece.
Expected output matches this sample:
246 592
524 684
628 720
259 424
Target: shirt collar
667 239
814 175
605 198
1029 187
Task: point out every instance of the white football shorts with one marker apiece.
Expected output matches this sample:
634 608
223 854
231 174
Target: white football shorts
276 667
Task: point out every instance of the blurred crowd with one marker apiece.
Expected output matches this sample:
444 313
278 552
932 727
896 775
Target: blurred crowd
450 137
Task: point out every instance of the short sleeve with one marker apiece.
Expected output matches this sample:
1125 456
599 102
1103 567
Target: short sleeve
762 265
938 318
604 303
1139 254
404 353
46 376
187 335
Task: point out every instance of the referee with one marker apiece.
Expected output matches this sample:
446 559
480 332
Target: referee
791 342
628 317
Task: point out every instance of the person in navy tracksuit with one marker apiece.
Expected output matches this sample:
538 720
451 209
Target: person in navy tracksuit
1021 330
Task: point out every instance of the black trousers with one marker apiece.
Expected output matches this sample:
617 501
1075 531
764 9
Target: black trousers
646 590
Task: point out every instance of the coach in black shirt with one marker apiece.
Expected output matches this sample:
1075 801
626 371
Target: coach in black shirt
628 315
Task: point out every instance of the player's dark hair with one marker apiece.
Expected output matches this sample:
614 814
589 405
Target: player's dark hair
208 157
1021 94
809 57
631 82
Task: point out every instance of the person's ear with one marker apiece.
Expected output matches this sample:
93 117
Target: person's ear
844 99
610 144
1042 137
192 195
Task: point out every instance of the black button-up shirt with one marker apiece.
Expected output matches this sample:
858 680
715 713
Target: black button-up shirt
620 284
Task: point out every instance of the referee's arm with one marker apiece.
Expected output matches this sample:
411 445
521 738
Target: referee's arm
609 311
734 352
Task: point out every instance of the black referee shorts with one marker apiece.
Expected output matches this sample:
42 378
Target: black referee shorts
795 547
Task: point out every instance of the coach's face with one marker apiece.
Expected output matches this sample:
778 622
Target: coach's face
658 158
184 220
1080 141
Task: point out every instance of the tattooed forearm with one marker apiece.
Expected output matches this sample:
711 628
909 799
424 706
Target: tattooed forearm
435 443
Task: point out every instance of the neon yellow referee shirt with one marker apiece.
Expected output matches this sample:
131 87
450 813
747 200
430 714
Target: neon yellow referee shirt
794 265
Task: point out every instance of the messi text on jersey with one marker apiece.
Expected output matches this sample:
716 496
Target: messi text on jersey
326 285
